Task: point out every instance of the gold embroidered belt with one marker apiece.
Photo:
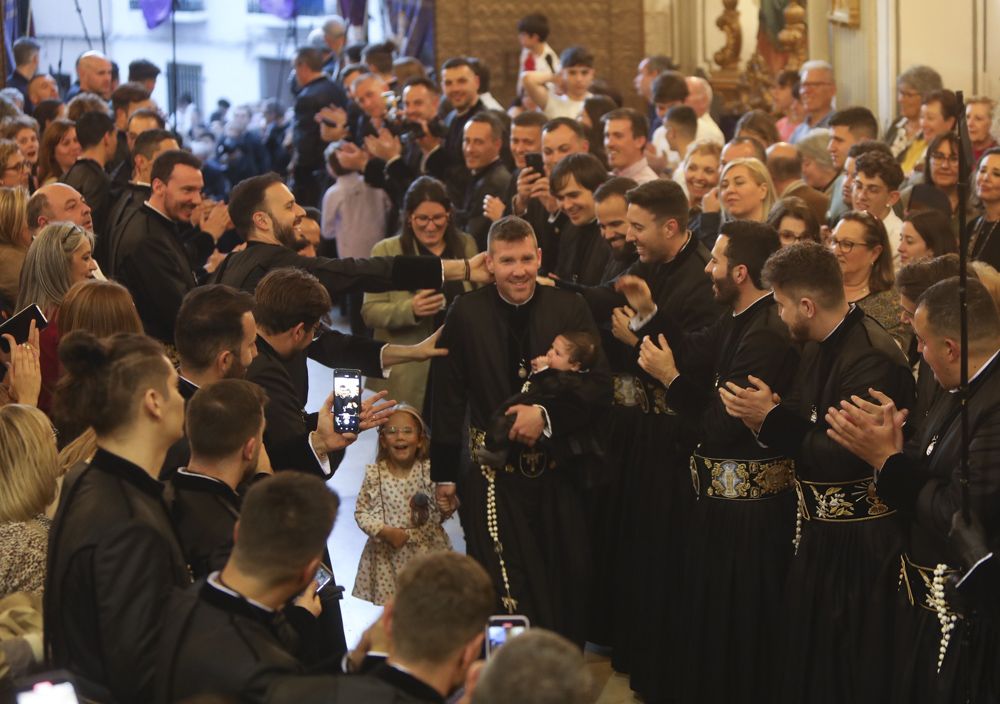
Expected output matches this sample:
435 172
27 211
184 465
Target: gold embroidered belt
531 462
632 391
854 500
919 583
741 480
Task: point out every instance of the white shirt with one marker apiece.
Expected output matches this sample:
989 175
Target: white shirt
707 129
562 105
638 172
894 228
355 215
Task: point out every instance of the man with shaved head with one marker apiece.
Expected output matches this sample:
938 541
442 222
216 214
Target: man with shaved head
93 75
785 164
700 100
58 202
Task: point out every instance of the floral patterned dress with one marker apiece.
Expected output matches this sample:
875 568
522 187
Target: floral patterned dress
401 502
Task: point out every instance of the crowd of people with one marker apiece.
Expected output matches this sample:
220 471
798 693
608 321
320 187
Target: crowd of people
692 390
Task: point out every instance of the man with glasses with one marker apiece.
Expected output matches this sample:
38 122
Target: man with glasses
16 169
877 178
817 89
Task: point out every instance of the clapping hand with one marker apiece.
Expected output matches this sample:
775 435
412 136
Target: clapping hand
872 431
750 404
620 318
658 360
637 293
493 208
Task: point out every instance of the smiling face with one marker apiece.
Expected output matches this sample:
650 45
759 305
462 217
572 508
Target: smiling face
793 313
933 121
461 87
420 103
514 266
741 195
817 90
429 221
988 179
401 438
524 140
724 288
612 215
181 193
558 144
701 175
67 150
649 236
908 100
479 147
979 120
576 201
623 147
286 216
850 235
944 166
872 194
82 265
912 247
368 96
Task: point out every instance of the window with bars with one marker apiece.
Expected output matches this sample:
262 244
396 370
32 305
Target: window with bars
182 5
188 81
303 8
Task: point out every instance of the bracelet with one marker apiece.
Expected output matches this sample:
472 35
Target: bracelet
468 270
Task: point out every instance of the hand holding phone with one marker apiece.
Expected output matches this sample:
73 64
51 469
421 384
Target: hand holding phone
346 400
19 326
534 161
501 628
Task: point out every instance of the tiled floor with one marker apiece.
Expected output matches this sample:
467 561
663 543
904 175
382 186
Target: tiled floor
347 541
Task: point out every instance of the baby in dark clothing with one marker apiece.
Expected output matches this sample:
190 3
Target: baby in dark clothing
553 374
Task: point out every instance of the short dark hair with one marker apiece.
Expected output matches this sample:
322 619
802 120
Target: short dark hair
536 23
794 207
142 70
482 71
576 56
583 347
934 228
310 57
948 101
347 70
859 121
882 273
247 198
760 123
163 167
24 49
684 119
126 94
422 81
941 303
878 164
568 122
669 87
509 229
210 320
486 117
442 601
806 269
83 103
614 186
148 112
916 277
956 147
92 127
750 244
378 56
788 78
313 213
530 118
637 121
586 169
663 198
867 146
286 297
222 416
456 62
284 525
147 142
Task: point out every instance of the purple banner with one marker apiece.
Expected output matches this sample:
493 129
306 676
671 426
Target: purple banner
155 12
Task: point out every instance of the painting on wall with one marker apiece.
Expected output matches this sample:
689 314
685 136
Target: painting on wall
845 12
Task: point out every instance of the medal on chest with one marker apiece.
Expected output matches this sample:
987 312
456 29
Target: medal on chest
813 415
931 445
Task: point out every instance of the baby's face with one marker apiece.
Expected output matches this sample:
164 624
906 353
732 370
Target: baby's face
559 356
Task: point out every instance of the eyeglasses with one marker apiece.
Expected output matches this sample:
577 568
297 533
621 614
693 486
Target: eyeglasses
939 156
909 94
425 220
393 430
846 246
815 84
789 236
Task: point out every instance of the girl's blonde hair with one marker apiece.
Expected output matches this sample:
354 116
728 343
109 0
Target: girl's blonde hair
29 464
423 450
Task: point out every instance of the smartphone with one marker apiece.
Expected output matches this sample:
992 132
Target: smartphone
346 400
324 576
48 688
19 324
500 629
534 160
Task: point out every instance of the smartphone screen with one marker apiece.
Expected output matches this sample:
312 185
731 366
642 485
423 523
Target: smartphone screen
49 693
323 577
19 324
346 400
500 629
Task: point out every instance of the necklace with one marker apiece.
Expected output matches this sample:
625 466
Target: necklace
979 242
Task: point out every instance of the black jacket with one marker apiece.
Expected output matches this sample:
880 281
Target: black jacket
113 561
94 184
204 511
492 180
447 163
313 97
130 196
986 241
395 177
383 684
148 256
583 255
180 452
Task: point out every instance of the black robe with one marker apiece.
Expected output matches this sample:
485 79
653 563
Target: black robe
93 183
381 683
113 561
131 195
651 506
491 180
985 243
539 506
583 255
925 484
180 452
739 549
844 575
204 511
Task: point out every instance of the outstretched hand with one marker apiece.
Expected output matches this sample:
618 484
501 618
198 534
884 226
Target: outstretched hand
375 411
636 291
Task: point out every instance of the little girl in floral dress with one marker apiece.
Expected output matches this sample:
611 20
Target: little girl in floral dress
396 506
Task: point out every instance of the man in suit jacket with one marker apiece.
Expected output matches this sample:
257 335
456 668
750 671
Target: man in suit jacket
483 140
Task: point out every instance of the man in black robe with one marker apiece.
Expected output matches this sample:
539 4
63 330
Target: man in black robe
924 480
742 525
226 634
98 141
650 441
847 563
153 253
461 88
523 522
488 176
583 252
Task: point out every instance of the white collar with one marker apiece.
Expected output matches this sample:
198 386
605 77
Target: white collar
213 579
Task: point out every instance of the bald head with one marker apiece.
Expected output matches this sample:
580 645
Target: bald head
742 148
699 94
94 72
58 202
785 164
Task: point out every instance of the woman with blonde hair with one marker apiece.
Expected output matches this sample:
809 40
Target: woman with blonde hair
59 256
701 174
746 191
15 237
58 152
29 472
